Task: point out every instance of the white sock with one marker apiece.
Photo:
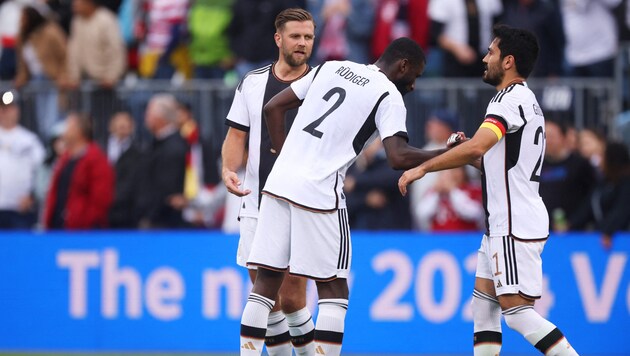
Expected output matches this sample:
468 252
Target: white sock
254 324
277 339
330 326
487 324
541 333
302 331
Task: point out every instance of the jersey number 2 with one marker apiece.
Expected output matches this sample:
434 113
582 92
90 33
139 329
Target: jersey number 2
312 127
536 173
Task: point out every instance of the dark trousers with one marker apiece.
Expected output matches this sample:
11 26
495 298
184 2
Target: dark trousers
13 220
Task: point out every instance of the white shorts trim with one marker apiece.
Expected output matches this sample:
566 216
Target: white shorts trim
514 266
247 226
308 244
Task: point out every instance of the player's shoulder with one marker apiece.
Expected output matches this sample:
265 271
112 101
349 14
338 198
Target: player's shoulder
514 95
254 76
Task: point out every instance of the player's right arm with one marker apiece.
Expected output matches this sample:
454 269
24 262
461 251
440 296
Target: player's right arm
232 154
402 156
274 116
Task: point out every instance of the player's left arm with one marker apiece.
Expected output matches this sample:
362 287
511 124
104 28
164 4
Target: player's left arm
466 153
274 112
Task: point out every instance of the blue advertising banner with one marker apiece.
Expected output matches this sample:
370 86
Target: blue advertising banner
182 291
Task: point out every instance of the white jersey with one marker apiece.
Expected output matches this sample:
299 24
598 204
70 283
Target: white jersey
254 91
511 168
345 105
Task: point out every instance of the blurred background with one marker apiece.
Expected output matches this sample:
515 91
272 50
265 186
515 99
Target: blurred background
76 76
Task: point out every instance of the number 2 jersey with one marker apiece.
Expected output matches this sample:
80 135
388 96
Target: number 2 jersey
511 168
345 106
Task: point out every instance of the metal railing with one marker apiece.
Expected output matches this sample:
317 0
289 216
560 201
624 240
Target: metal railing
584 102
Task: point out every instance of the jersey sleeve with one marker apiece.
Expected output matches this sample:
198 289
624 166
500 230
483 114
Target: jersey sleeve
502 119
439 11
391 117
300 87
238 116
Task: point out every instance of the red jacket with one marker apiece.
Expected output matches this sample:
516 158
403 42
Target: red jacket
90 194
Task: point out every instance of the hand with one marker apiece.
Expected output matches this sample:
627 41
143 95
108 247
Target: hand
455 139
409 177
349 183
465 54
606 242
376 199
232 183
177 201
26 204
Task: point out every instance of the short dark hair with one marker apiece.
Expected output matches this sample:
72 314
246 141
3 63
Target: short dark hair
404 48
84 122
292 14
34 19
563 125
520 44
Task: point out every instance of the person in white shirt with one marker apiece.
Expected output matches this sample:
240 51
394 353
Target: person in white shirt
21 153
303 222
592 38
510 145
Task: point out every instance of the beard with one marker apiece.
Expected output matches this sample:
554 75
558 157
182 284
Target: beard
493 77
294 62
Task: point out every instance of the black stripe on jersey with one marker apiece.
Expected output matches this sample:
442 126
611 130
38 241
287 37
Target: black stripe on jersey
507 90
255 71
317 71
236 125
510 258
346 237
484 197
368 128
500 119
528 296
522 114
549 341
267 159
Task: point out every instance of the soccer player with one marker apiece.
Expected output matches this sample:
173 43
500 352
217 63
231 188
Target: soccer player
295 32
303 223
511 146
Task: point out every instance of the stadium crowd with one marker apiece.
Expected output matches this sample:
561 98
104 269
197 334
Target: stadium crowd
77 181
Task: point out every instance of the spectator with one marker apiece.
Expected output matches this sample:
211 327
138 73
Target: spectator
608 206
165 24
203 199
9 29
252 27
439 126
82 187
543 18
55 148
20 155
591 146
592 38
462 29
372 194
125 155
210 45
566 178
394 19
453 203
41 53
96 51
166 166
